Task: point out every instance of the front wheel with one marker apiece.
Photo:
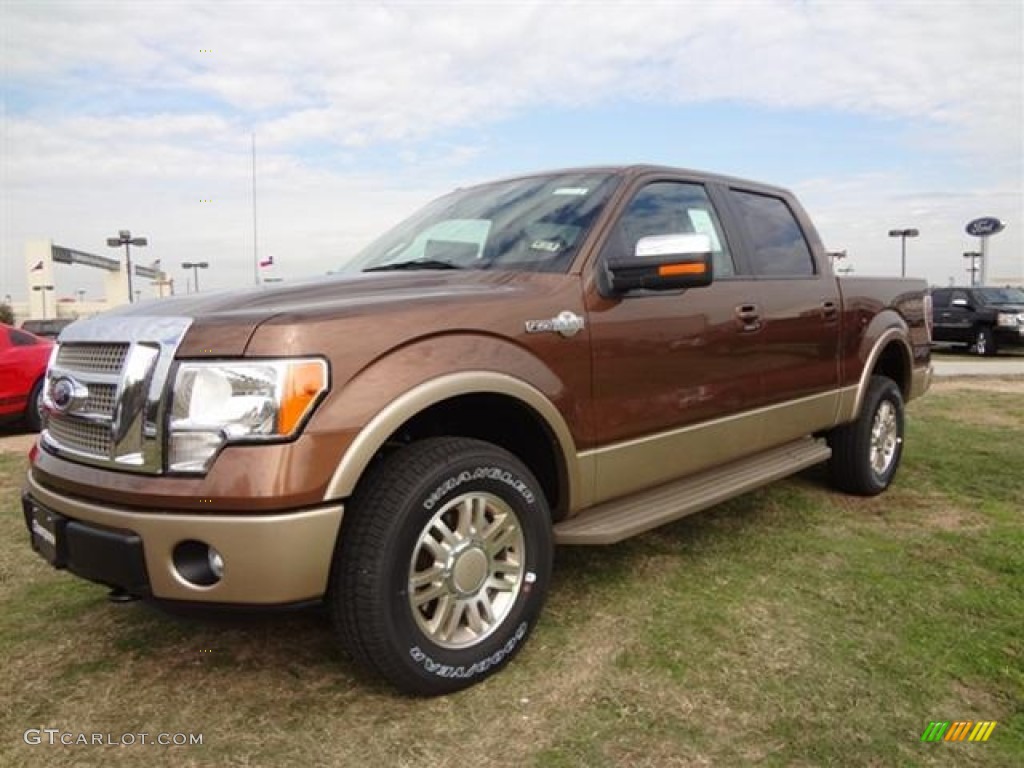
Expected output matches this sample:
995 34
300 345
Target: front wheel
34 410
984 342
866 453
442 565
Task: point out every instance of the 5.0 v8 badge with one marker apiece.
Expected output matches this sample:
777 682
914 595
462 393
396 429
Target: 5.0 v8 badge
566 323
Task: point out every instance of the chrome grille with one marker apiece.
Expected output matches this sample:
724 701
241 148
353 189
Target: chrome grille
104 401
92 358
80 436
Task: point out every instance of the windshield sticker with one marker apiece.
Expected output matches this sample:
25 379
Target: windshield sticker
703 225
573 191
548 246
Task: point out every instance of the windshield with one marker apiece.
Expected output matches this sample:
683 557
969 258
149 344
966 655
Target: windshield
531 225
1002 295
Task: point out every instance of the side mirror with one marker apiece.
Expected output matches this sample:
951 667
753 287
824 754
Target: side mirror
960 303
664 263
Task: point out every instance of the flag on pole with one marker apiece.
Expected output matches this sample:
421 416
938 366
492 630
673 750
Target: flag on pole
37 267
267 262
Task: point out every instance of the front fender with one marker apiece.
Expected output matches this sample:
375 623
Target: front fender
397 387
396 412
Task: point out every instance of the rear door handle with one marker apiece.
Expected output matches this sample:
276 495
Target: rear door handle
829 310
749 317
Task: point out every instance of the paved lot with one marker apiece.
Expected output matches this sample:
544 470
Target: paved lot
999 366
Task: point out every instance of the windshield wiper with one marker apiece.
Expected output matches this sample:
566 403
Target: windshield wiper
415 264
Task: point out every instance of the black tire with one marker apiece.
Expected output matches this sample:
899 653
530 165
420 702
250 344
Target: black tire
412 498
984 341
866 453
33 411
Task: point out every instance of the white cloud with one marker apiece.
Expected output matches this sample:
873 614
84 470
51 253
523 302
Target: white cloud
132 111
413 68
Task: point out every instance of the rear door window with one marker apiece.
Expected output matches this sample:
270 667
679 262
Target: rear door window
778 246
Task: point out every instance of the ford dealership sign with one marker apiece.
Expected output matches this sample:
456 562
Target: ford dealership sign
987 225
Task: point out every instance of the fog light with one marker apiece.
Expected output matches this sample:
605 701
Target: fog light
216 563
197 563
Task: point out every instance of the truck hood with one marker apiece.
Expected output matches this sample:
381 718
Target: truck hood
225 321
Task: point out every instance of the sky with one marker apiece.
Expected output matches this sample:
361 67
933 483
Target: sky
141 116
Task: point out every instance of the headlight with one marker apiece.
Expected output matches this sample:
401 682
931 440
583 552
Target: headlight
1011 319
217 403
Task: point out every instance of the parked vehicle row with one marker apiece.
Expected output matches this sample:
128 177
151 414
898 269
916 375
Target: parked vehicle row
984 319
23 358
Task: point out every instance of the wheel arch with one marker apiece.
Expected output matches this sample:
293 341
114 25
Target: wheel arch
486 405
889 356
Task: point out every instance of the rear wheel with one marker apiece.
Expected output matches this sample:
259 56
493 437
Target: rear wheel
442 565
866 453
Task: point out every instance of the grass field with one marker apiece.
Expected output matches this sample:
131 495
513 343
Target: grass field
794 626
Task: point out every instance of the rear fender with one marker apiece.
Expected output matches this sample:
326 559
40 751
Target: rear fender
886 334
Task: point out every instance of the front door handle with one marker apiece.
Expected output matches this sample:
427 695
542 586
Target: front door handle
829 310
749 317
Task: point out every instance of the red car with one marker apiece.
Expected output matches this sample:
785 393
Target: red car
23 358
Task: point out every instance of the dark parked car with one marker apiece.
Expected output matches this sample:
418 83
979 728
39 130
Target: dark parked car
23 359
49 328
984 319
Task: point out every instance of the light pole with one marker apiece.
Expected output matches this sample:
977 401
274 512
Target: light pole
903 234
44 289
973 268
163 282
195 266
124 237
81 295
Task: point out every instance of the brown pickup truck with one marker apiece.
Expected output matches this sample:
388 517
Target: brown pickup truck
571 357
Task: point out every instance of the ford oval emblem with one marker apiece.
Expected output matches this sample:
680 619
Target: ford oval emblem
65 393
987 225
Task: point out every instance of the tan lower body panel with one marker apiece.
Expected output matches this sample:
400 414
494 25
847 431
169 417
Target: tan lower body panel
268 559
631 466
617 520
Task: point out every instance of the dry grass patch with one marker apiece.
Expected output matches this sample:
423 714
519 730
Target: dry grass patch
1007 385
794 626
